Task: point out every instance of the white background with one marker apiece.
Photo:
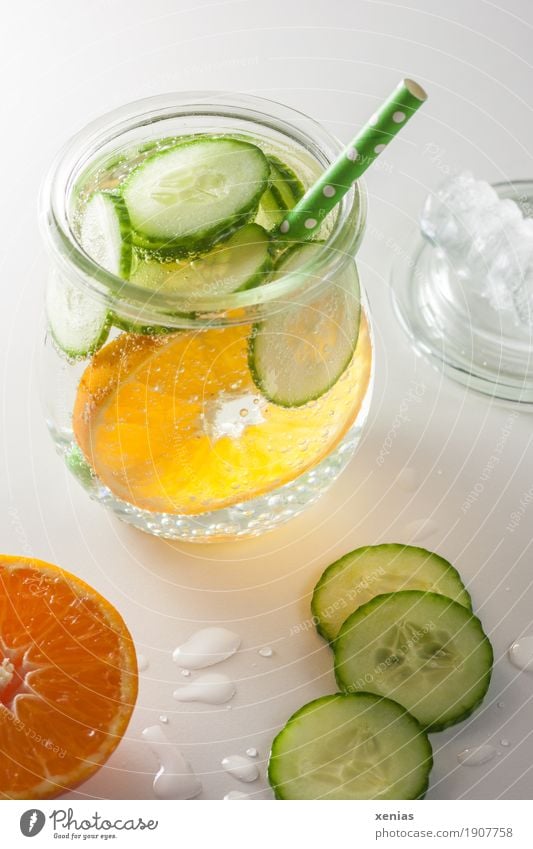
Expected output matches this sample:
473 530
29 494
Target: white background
63 63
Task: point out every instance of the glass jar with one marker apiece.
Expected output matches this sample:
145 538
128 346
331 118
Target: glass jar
161 416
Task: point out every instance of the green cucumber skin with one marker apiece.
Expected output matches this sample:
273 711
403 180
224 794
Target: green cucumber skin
337 566
256 279
256 330
277 401
325 699
125 230
204 240
77 355
365 609
185 250
288 177
156 330
126 236
283 193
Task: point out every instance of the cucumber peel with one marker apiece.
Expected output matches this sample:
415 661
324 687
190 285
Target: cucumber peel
372 570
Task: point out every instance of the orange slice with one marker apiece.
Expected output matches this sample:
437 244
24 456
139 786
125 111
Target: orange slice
175 424
68 679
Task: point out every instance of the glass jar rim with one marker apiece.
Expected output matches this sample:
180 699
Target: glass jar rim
340 245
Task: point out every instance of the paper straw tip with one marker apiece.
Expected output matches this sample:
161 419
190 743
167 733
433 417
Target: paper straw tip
415 89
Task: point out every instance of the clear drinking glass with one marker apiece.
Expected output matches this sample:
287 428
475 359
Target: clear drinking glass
163 420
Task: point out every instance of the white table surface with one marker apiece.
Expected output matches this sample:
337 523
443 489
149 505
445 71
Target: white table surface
63 63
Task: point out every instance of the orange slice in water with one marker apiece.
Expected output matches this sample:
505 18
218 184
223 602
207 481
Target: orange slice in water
68 679
175 424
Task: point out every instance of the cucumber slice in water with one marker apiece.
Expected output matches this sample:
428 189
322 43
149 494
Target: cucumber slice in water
300 352
270 213
105 233
421 649
239 263
79 322
183 199
285 182
357 746
376 569
284 192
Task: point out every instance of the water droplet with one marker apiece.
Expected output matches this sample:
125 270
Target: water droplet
142 662
175 778
207 647
186 672
212 688
521 653
266 651
476 755
235 794
500 705
240 767
243 413
163 719
252 753
505 743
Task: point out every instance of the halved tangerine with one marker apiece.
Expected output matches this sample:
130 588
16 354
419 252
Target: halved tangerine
68 679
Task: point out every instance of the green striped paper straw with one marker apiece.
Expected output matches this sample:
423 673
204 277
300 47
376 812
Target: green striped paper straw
307 216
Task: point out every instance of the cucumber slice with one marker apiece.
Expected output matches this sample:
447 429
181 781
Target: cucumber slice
185 198
376 569
105 233
239 263
285 182
300 352
271 210
284 192
358 746
421 649
79 322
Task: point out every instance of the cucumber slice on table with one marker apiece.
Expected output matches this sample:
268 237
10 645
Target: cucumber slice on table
376 569
357 746
421 649
183 199
300 352
79 322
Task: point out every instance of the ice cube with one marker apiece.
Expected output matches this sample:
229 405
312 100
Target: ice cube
487 241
